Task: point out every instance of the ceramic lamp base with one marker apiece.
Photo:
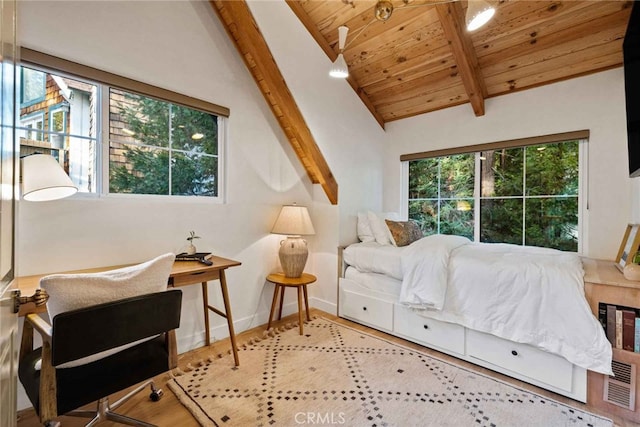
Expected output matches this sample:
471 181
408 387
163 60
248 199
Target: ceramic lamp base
293 256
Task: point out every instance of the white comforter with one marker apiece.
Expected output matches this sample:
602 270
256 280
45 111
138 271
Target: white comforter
524 294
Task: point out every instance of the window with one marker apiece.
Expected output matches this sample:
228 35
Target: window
33 86
151 146
66 119
33 125
521 195
156 147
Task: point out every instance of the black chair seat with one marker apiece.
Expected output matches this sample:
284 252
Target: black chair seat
84 384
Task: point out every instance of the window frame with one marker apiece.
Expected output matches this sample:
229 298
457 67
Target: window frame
31 118
583 204
104 82
28 103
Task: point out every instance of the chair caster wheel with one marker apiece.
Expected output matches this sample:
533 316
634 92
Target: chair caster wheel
156 395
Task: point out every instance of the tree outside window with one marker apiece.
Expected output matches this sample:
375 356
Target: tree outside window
161 148
527 195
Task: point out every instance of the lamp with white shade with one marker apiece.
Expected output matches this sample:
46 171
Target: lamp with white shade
293 221
43 179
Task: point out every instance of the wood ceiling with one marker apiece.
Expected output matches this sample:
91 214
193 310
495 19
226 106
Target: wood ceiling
422 59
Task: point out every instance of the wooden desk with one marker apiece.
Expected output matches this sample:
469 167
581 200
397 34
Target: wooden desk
183 273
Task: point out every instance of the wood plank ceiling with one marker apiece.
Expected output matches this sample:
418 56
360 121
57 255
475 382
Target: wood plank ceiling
422 59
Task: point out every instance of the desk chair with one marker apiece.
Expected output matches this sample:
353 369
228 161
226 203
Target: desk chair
140 327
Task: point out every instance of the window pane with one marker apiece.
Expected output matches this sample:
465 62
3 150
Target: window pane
136 118
425 212
138 170
501 221
52 122
193 175
423 179
33 85
552 223
194 131
456 217
501 172
552 169
81 157
457 176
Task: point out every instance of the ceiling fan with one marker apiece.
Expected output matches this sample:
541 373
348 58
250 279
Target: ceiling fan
479 12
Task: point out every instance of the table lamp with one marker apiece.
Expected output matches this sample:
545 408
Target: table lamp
43 179
294 221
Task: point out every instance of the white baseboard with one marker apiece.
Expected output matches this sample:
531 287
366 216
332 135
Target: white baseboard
220 332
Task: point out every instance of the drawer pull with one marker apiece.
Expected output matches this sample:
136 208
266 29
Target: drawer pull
515 353
198 273
425 326
364 308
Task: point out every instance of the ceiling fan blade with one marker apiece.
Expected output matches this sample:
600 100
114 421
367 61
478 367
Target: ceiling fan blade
342 36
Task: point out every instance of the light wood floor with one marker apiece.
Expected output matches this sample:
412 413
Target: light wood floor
169 412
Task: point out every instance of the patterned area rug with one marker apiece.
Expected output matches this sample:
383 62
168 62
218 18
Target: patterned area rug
335 375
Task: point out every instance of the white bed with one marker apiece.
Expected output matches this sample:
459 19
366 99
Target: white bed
517 310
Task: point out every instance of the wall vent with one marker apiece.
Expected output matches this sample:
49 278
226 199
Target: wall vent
621 389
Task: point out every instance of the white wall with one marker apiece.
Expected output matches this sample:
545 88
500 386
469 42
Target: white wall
181 46
594 102
348 136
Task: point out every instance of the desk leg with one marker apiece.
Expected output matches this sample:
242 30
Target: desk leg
227 309
205 300
300 309
273 305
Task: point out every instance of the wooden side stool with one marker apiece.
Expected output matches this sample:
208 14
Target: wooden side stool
282 282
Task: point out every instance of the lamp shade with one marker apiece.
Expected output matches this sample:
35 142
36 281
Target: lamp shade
293 220
43 179
339 68
479 12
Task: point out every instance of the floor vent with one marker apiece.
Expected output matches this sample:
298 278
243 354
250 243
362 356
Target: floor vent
621 389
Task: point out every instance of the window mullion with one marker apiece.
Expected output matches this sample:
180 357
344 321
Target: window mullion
104 140
439 198
476 197
524 193
170 124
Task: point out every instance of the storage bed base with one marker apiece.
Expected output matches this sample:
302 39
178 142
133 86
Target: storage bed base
516 360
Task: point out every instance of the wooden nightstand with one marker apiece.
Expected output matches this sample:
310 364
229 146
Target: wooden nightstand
282 282
603 282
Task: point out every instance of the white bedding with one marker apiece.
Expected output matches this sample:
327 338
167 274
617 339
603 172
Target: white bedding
528 295
375 282
372 257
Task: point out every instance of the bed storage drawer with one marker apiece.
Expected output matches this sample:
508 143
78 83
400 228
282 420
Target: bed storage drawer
362 308
521 358
431 332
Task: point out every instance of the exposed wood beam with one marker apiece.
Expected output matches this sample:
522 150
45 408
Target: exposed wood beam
306 20
243 30
452 20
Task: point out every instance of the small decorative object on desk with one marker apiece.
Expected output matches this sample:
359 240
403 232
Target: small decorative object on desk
203 257
191 249
631 270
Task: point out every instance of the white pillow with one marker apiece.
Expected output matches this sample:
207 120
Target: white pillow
364 229
379 227
73 291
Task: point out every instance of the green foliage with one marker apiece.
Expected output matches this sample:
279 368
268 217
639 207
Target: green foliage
441 191
166 158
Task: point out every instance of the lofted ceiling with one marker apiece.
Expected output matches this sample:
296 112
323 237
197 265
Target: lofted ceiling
423 59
